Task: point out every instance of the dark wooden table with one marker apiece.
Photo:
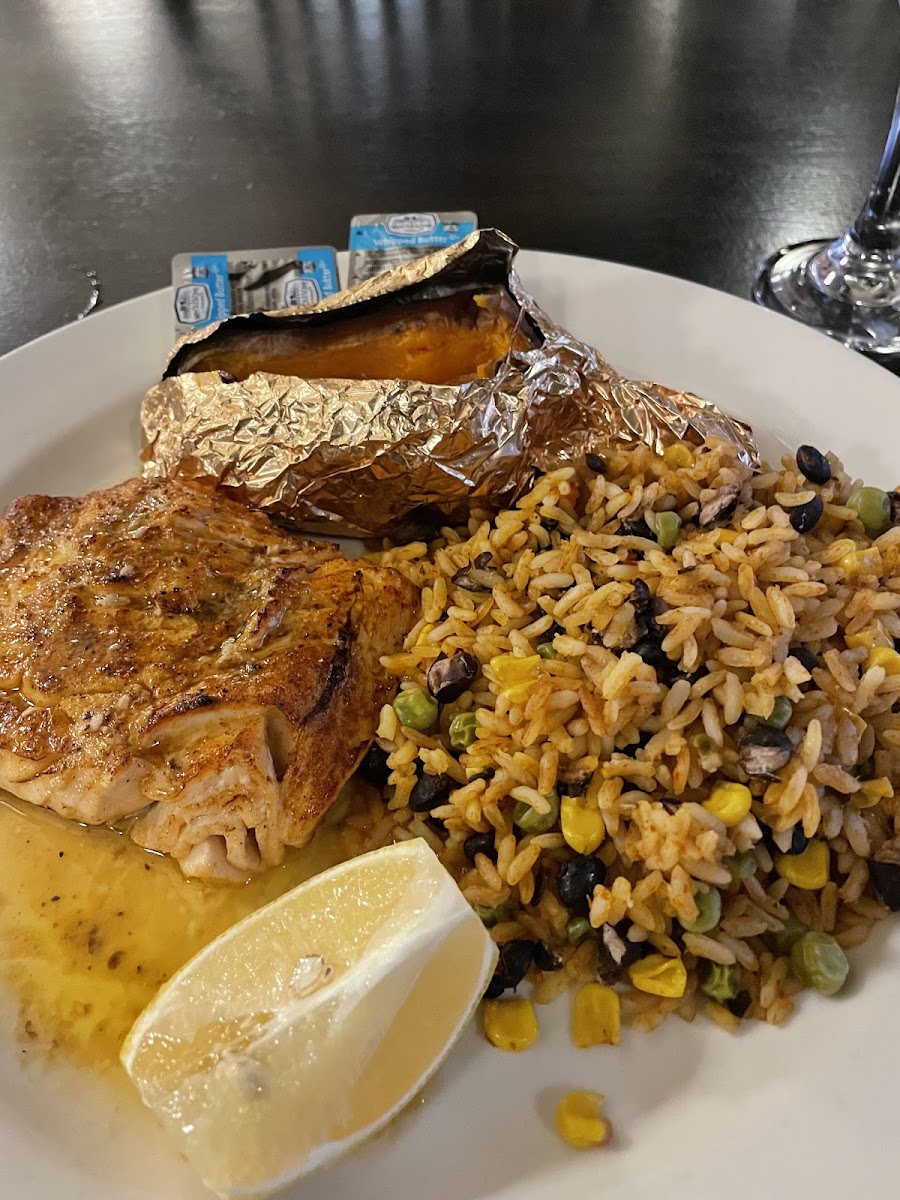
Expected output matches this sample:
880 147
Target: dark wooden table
687 136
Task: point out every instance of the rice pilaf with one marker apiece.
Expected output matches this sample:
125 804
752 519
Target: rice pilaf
638 688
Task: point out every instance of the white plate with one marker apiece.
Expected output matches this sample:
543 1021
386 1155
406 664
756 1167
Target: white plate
806 1109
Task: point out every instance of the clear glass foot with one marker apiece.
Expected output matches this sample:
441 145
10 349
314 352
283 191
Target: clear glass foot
848 288
836 287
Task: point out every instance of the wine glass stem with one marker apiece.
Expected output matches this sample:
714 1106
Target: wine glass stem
878 225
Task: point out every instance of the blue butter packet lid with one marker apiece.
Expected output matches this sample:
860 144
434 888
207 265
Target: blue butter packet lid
210 287
379 241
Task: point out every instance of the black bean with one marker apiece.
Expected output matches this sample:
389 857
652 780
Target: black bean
575 785
431 791
545 959
549 524
631 748
374 768
480 843
805 517
540 880
799 840
437 825
576 882
768 838
651 652
596 463
484 559
808 658
740 1004
636 527
813 464
641 596
227 377
448 678
866 770
894 498
721 506
615 953
885 872
764 751
476 579
512 967
495 988
647 608
516 957
695 675
481 775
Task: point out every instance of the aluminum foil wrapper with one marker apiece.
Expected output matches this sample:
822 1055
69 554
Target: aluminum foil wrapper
376 457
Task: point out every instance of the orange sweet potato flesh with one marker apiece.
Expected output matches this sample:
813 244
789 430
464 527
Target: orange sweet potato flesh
444 341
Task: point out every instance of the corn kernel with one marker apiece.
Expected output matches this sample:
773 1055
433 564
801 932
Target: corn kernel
426 629
515 676
507 669
863 562
582 827
872 792
578 1120
877 789
510 1024
884 656
596 1016
678 456
659 976
809 870
871 636
727 535
730 802
517 693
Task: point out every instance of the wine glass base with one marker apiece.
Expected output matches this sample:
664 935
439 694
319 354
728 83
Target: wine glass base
792 281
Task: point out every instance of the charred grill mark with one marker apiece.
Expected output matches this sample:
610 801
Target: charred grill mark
185 704
338 671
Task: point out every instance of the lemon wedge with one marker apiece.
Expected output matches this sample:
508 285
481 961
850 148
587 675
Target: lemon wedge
305 1027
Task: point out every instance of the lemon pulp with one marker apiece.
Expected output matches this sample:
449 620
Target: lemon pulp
307 1026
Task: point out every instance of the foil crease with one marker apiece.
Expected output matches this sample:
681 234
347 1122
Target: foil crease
365 457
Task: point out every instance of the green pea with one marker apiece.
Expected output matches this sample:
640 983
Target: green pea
666 528
463 730
496 915
721 983
782 941
578 930
703 743
545 650
531 821
819 962
416 709
709 910
873 507
740 866
779 717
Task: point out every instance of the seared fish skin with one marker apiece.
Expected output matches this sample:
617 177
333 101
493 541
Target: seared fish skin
172 662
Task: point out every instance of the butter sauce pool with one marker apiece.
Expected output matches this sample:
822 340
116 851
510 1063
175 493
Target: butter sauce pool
91 926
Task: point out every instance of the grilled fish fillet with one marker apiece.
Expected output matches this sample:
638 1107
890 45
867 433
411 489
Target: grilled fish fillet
172 663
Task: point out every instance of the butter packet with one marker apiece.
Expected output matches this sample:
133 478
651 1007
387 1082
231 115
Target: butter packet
210 287
380 241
